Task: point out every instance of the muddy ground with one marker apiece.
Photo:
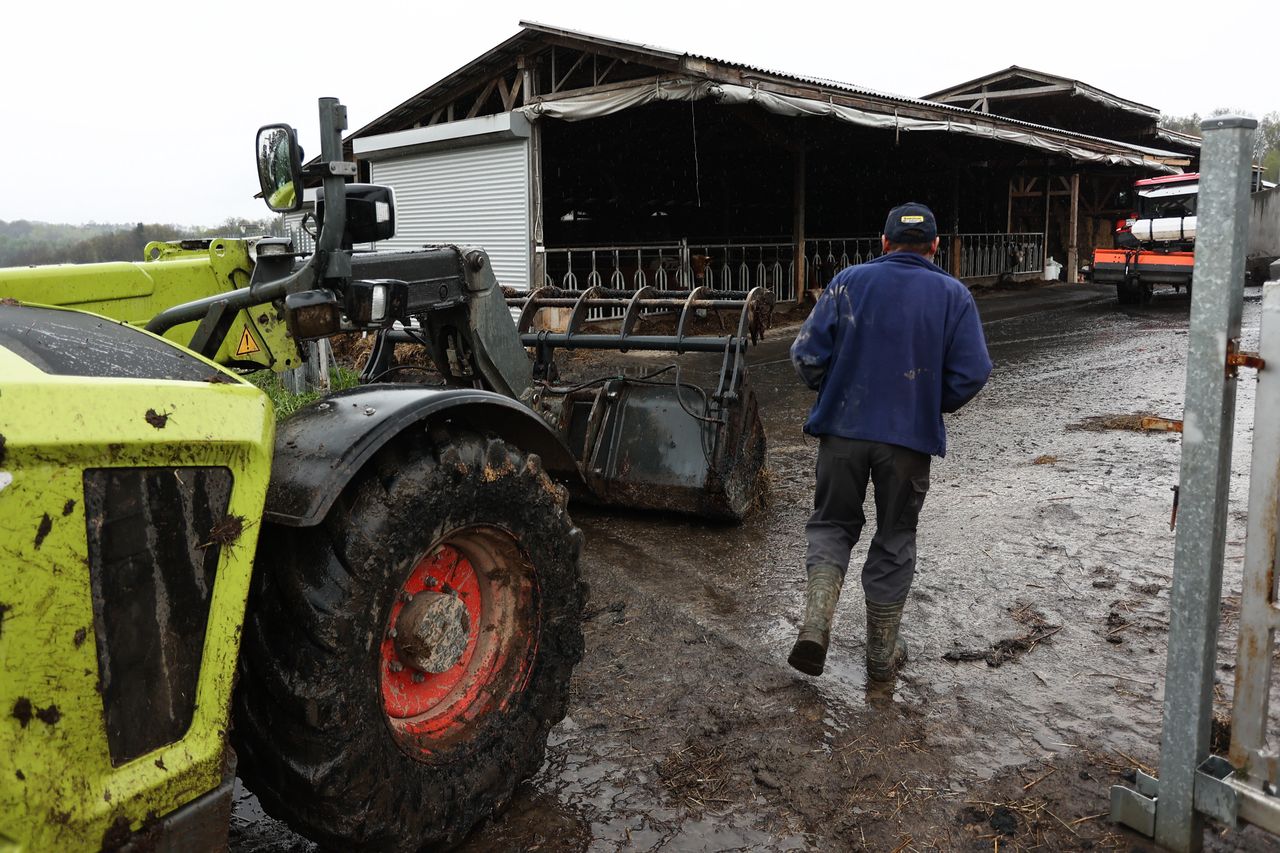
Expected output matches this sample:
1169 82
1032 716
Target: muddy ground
688 731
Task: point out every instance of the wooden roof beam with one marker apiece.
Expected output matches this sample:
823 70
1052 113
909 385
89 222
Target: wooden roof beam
605 87
1007 93
628 56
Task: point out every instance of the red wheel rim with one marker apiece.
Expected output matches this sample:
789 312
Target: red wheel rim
483 568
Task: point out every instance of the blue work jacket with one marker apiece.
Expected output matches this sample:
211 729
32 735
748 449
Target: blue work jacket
891 345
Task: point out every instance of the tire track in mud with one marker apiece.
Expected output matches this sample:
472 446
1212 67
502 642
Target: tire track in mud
1083 538
687 730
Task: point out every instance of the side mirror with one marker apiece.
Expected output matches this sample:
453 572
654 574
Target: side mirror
371 213
280 167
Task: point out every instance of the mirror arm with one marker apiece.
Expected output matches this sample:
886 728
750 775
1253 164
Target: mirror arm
329 265
337 263
245 297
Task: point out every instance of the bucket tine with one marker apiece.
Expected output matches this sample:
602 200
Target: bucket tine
579 315
650 443
696 294
633 311
531 306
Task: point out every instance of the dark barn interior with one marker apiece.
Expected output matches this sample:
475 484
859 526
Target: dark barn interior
709 173
644 159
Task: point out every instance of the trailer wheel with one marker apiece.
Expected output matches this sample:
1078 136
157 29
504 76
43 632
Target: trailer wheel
1130 292
404 661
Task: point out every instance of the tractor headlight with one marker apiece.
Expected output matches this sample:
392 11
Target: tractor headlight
311 314
375 303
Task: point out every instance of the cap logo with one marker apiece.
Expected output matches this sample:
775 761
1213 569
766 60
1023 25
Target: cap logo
911 219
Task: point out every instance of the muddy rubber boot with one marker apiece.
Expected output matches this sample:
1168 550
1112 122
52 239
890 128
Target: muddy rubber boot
886 651
810 651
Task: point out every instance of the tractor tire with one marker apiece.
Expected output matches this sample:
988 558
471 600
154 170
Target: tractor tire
1129 292
349 725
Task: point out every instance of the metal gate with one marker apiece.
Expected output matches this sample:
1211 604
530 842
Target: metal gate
1194 784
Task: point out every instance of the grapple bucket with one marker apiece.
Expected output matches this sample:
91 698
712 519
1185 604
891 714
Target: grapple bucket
656 440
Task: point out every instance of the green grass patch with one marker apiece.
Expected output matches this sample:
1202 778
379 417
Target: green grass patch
286 403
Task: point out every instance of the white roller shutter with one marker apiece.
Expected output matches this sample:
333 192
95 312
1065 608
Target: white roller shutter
293 229
477 195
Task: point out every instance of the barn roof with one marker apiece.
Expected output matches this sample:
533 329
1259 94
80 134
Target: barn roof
1038 96
1024 84
692 76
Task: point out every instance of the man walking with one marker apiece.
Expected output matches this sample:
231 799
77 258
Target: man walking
891 345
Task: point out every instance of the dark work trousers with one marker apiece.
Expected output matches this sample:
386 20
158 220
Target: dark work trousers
901 479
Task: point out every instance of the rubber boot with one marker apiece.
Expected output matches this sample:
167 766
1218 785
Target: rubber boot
886 651
809 654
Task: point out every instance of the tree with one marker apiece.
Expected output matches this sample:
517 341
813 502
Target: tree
23 242
1266 144
1182 124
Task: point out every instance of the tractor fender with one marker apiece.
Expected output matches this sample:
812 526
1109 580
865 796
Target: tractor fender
322 447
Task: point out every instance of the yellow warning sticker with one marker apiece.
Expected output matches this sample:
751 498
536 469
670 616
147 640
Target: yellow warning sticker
912 219
248 345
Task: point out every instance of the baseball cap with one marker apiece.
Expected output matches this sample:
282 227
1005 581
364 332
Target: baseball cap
911 223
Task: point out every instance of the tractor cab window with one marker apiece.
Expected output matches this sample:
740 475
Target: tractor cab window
1168 207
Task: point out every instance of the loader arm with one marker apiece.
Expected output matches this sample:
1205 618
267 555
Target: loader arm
183 272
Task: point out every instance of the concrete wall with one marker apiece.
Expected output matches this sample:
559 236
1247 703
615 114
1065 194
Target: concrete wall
1264 224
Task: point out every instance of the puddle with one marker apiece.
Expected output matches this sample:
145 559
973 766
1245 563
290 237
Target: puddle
687 729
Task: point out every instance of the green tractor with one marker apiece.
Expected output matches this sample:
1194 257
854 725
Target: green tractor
371 613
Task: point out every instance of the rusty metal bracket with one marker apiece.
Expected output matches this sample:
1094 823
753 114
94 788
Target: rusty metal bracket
1156 424
1237 359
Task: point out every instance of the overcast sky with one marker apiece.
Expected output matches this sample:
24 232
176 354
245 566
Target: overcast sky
141 111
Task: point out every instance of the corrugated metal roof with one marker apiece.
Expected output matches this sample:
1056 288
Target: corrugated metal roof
670 54
851 88
411 109
1032 74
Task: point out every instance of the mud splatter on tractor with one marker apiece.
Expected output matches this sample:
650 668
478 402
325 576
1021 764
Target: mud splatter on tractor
384 588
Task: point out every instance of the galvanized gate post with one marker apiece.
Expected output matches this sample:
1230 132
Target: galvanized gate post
1223 218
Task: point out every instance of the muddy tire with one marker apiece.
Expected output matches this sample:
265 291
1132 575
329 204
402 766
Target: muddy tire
1129 293
335 733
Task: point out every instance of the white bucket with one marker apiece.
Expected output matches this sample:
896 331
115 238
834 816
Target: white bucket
1052 269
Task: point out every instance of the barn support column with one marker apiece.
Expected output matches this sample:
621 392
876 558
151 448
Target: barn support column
1048 195
956 243
799 281
1008 226
537 254
1073 235
1048 183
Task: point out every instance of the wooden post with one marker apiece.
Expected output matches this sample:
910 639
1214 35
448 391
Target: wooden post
955 201
797 219
1048 186
1073 259
537 255
957 266
1008 228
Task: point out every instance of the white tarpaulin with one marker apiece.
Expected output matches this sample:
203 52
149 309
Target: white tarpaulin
597 104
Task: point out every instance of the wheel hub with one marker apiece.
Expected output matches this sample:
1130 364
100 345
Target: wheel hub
459 641
432 632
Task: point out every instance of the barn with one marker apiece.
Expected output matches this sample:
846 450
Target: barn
576 159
